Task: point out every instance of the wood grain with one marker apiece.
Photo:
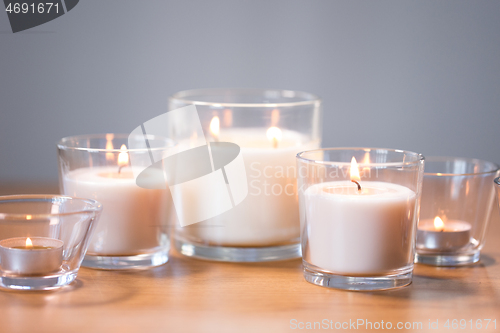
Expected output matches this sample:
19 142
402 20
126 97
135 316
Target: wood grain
189 295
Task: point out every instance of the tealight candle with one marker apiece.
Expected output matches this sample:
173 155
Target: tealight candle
31 256
437 235
459 191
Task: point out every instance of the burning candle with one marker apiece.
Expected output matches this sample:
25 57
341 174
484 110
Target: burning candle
31 256
359 229
269 214
274 135
437 235
269 127
215 128
132 217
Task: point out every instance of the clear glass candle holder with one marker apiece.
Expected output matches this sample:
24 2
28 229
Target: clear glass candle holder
457 199
43 239
358 214
269 127
133 232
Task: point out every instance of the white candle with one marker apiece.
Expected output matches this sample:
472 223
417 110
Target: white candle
31 256
434 234
269 214
367 232
132 218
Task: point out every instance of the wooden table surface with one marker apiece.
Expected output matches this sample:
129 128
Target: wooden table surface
189 295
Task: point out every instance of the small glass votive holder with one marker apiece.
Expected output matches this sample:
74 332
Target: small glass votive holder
43 239
457 200
358 214
270 127
133 232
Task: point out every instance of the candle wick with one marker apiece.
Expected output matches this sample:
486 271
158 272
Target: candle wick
120 168
359 186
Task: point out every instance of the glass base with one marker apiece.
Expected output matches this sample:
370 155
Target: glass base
139 261
238 254
358 283
45 282
447 259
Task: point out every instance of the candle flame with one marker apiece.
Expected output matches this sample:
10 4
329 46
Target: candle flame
366 158
28 242
438 223
228 117
29 217
275 117
109 139
354 170
366 162
215 127
109 146
123 156
274 135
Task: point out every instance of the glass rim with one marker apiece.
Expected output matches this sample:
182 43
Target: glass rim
63 143
431 159
419 157
96 206
183 96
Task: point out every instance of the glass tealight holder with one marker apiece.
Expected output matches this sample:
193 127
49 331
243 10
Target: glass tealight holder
358 214
43 239
257 217
134 228
457 200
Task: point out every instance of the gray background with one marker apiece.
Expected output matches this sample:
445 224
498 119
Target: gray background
417 75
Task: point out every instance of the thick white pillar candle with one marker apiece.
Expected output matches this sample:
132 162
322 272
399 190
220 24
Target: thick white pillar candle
367 232
269 215
132 217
